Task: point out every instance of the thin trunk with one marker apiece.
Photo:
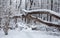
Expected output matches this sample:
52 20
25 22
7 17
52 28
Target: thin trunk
31 3
10 2
20 4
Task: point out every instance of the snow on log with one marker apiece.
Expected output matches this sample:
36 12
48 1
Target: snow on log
45 22
43 11
54 24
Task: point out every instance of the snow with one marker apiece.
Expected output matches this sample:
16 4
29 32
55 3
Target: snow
23 31
46 21
27 34
16 15
21 25
45 10
49 22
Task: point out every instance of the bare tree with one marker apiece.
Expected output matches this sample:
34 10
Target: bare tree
7 18
31 3
20 4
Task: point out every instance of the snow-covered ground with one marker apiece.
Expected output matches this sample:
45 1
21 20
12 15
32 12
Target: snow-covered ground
28 33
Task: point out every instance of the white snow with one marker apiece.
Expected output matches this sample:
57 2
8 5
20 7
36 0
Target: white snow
27 34
46 21
21 24
45 10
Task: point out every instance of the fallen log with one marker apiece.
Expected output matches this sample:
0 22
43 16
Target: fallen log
43 11
45 22
42 21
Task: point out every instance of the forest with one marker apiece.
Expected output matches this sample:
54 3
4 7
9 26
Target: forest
30 18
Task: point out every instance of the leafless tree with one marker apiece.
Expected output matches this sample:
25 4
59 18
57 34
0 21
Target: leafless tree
31 3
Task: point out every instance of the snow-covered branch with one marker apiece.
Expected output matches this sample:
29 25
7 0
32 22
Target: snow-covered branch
45 22
54 24
43 11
